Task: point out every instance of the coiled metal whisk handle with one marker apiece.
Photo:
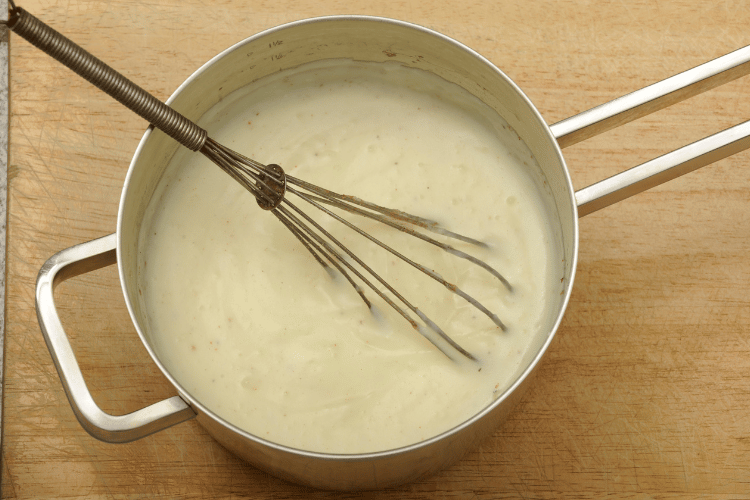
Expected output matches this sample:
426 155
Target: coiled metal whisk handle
106 79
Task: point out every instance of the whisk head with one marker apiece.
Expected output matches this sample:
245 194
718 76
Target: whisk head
270 185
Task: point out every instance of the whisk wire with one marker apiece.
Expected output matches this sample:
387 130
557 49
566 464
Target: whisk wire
316 251
334 256
349 203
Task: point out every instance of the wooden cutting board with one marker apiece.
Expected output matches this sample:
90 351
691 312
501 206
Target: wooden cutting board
644 392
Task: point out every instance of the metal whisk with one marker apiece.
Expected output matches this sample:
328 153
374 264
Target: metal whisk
270 185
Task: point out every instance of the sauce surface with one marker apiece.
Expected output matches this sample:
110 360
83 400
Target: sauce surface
255 329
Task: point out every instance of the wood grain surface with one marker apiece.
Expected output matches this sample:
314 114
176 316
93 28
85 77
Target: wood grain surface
645 391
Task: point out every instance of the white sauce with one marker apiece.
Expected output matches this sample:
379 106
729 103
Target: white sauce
250 324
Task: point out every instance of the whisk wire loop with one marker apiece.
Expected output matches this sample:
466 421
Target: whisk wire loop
432 325
432 274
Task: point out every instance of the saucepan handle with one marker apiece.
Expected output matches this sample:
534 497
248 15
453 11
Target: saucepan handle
643 102
66 264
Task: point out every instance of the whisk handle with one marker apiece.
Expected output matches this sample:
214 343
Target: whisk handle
107 79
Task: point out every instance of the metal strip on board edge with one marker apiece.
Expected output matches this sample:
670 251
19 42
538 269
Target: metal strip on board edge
4 94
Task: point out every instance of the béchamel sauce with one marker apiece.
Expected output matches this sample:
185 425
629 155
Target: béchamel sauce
255 329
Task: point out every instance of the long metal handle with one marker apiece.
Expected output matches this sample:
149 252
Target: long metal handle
663 169
107 79
643 102
66 264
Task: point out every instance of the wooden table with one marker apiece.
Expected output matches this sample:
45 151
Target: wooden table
644 392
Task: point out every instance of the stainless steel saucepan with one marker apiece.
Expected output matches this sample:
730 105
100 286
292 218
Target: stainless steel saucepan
368 39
